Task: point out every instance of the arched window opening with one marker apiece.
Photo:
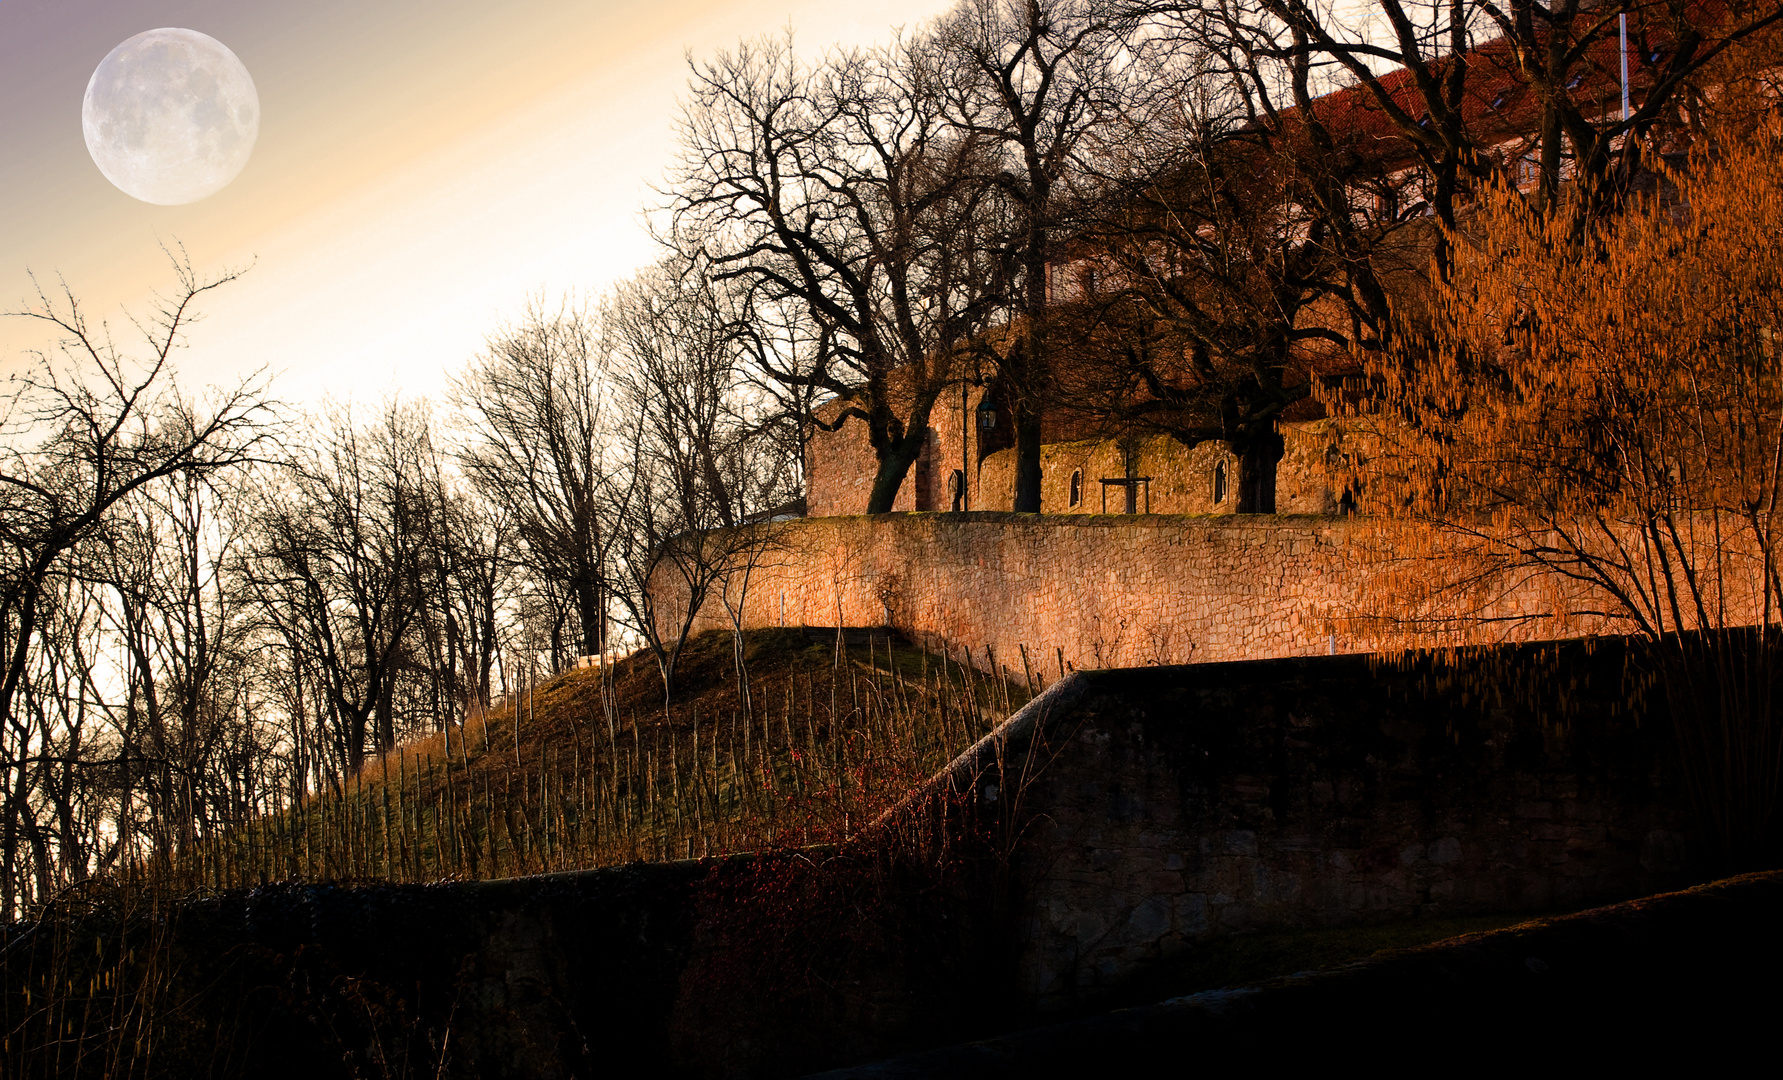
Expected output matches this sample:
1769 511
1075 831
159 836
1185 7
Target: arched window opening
1076 488
1219 482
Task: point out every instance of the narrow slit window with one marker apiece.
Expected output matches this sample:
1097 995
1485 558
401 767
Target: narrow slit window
1219 482
1076 488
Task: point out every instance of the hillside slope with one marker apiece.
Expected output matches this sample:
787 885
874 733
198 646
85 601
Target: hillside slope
801 743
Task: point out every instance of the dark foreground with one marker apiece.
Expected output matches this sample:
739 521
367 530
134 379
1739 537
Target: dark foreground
1691 973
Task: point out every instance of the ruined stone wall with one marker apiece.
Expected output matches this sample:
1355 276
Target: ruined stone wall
840 467
1102 590
1202 479
1181 480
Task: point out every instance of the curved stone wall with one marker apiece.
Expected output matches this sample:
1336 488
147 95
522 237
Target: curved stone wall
1091 591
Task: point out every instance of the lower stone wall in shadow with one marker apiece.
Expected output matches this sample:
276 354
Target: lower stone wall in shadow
1065 864
1164 806
1613 989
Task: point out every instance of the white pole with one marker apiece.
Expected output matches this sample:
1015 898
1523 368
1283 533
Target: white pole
1625 110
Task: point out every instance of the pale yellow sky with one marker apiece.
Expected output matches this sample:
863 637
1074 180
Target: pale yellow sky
422 169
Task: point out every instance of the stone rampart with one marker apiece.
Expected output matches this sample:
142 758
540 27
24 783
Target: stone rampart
1164 807
1094 843
1094 591
840 467
1601 986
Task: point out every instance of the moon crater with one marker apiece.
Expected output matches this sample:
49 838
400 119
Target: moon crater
170 116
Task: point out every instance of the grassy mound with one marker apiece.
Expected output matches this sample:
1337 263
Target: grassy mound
803 741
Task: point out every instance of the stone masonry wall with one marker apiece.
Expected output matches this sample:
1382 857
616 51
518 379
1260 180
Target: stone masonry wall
1183 480
1119 822
839 470
1097 590
840 465
1168 806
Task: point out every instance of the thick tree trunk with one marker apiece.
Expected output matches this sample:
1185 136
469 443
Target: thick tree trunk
356 727
1551 129
386 715
897 455
1130 472
667 660
1258 457
1032 378
893 467
1027 458
591 611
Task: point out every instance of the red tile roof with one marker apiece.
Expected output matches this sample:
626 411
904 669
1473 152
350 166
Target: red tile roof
1497 103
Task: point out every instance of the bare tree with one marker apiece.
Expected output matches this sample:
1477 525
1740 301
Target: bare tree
841 189
188 747
772 338
338 565
1230 258
1474 90
1031 79
467 580
84 429
680 371
702 470
532 410
60 803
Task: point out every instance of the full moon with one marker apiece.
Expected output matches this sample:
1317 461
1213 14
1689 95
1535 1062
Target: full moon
170 116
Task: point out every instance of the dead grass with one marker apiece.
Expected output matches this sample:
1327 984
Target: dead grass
593 769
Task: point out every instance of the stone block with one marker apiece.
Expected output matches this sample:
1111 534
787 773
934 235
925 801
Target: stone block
1151 919
1238 842
1190 913
1664 851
